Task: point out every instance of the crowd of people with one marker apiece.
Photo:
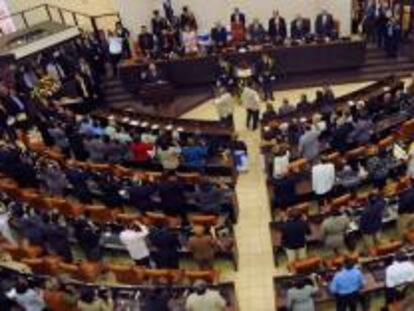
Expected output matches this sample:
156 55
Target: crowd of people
19 292
172 36
382 24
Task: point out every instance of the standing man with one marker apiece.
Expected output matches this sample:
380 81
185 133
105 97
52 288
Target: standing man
250 100
204 299
392 38
266 76
133 238
225 105
309 146
238 17
299 28
325 25
146 42
346 286
115 45
381 21
398 276
277 28
323 179
122 32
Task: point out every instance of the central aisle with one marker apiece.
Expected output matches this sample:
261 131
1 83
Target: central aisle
254 287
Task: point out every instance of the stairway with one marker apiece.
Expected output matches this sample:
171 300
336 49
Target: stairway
377 66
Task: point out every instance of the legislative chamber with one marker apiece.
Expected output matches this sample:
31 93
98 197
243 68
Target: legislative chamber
171 155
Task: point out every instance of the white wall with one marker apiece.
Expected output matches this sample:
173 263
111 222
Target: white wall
136 12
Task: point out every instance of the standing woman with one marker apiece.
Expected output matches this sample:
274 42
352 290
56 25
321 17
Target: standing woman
190 40
124 33
115 45
300 296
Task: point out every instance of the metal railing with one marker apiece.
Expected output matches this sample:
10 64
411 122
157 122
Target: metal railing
47 12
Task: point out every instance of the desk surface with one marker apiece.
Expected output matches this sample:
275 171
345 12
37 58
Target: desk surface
293 59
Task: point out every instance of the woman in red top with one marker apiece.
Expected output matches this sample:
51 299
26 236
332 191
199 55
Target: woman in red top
238 32
141 151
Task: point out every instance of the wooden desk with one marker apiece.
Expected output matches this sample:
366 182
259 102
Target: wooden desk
157 94
301 59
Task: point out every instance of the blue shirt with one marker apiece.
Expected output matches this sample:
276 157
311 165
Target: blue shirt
347 281
194 156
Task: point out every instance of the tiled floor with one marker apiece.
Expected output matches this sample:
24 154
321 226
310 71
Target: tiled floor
254 278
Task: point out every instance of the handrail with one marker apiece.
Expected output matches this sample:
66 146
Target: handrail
45 5
23 11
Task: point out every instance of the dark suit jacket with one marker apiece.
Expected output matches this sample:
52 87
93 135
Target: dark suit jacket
219 36
158 25
279 31
299 32
146 42
326 29
242 18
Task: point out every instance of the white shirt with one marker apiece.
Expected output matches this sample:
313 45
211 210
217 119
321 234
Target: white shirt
250 99
280 165
224 105
209 301
134 242
323 178
115 45
399 273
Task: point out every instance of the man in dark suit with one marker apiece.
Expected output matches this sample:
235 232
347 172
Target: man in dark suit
256 33
266 75
218 36
277 28
187 19
299 28
146 41
152 74
381 22
158 23
325 25
166 254
238 16
392 38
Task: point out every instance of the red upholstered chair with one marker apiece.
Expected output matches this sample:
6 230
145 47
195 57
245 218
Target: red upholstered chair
88 271
127 274
55 301
386 142
297 165
204 220
209 276
342 200
386 249
338 261
356 153
100 213
157 276
307 265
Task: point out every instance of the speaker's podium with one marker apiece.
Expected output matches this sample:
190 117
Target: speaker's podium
157 94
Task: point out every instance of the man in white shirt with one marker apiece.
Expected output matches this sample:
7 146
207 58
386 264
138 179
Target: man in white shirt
115 51
133 238
399 273
204 299
323 178
225 106
250 100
